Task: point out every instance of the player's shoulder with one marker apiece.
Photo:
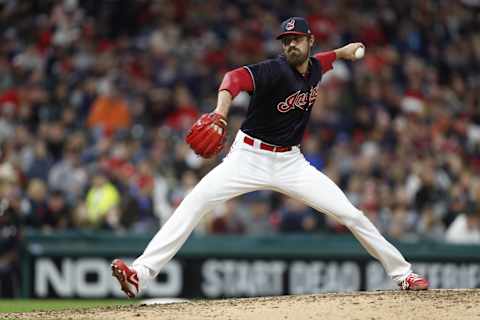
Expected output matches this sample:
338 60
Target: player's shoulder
268 63
264 74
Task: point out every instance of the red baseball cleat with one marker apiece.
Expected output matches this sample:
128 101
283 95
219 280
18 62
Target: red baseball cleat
126 276
414 282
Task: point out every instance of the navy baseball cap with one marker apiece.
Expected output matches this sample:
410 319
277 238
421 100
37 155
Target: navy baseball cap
294 25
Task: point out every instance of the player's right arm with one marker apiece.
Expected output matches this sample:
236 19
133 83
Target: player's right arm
233 82
346 52
326 60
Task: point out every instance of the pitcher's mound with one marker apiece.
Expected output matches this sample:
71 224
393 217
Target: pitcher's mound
389 305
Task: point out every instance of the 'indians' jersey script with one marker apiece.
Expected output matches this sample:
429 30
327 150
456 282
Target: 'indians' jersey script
281 101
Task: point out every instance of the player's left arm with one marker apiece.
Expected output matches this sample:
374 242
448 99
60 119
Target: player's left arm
208 134
346 52
233 82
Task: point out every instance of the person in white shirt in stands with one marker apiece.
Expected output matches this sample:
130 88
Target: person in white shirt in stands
465 229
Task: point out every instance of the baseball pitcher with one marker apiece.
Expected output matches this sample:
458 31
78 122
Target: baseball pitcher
266 155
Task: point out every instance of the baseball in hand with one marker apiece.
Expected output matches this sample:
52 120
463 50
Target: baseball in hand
359 53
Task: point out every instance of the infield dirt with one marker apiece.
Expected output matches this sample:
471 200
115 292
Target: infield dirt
391 305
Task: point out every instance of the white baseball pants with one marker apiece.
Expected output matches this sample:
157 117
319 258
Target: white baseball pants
248 168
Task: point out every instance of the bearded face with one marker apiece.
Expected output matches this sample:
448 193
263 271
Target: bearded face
296 49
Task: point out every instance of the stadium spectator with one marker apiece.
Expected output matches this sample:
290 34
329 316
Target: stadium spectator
10 235
257 216
138 210
41 162
296 217
430 225
102 203
58 211
69 175
35 204
465 229
227 219
109 112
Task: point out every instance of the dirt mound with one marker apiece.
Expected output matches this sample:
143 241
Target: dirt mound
431 304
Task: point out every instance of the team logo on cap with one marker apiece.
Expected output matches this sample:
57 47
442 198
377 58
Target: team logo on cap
290 25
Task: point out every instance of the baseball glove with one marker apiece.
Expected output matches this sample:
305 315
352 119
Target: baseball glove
207 136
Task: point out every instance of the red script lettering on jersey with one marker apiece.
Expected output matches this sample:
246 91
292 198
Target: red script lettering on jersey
299 100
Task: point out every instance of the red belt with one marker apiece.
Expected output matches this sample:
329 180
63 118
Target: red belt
267 147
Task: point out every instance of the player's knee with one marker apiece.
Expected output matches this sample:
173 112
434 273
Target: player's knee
354 218
201 198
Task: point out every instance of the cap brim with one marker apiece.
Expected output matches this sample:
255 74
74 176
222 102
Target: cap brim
283 34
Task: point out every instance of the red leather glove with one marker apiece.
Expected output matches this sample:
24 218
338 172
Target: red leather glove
207 136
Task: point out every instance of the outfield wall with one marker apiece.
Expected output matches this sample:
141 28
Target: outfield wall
76 265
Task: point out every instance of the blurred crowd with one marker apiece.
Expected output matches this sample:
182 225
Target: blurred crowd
96 98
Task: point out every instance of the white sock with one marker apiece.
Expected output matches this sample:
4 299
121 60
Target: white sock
145 275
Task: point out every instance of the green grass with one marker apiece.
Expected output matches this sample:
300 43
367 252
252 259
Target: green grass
27 305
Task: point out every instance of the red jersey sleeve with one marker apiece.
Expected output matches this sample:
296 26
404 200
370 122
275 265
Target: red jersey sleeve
326 59
237 80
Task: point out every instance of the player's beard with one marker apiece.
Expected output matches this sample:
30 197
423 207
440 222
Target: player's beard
295 57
